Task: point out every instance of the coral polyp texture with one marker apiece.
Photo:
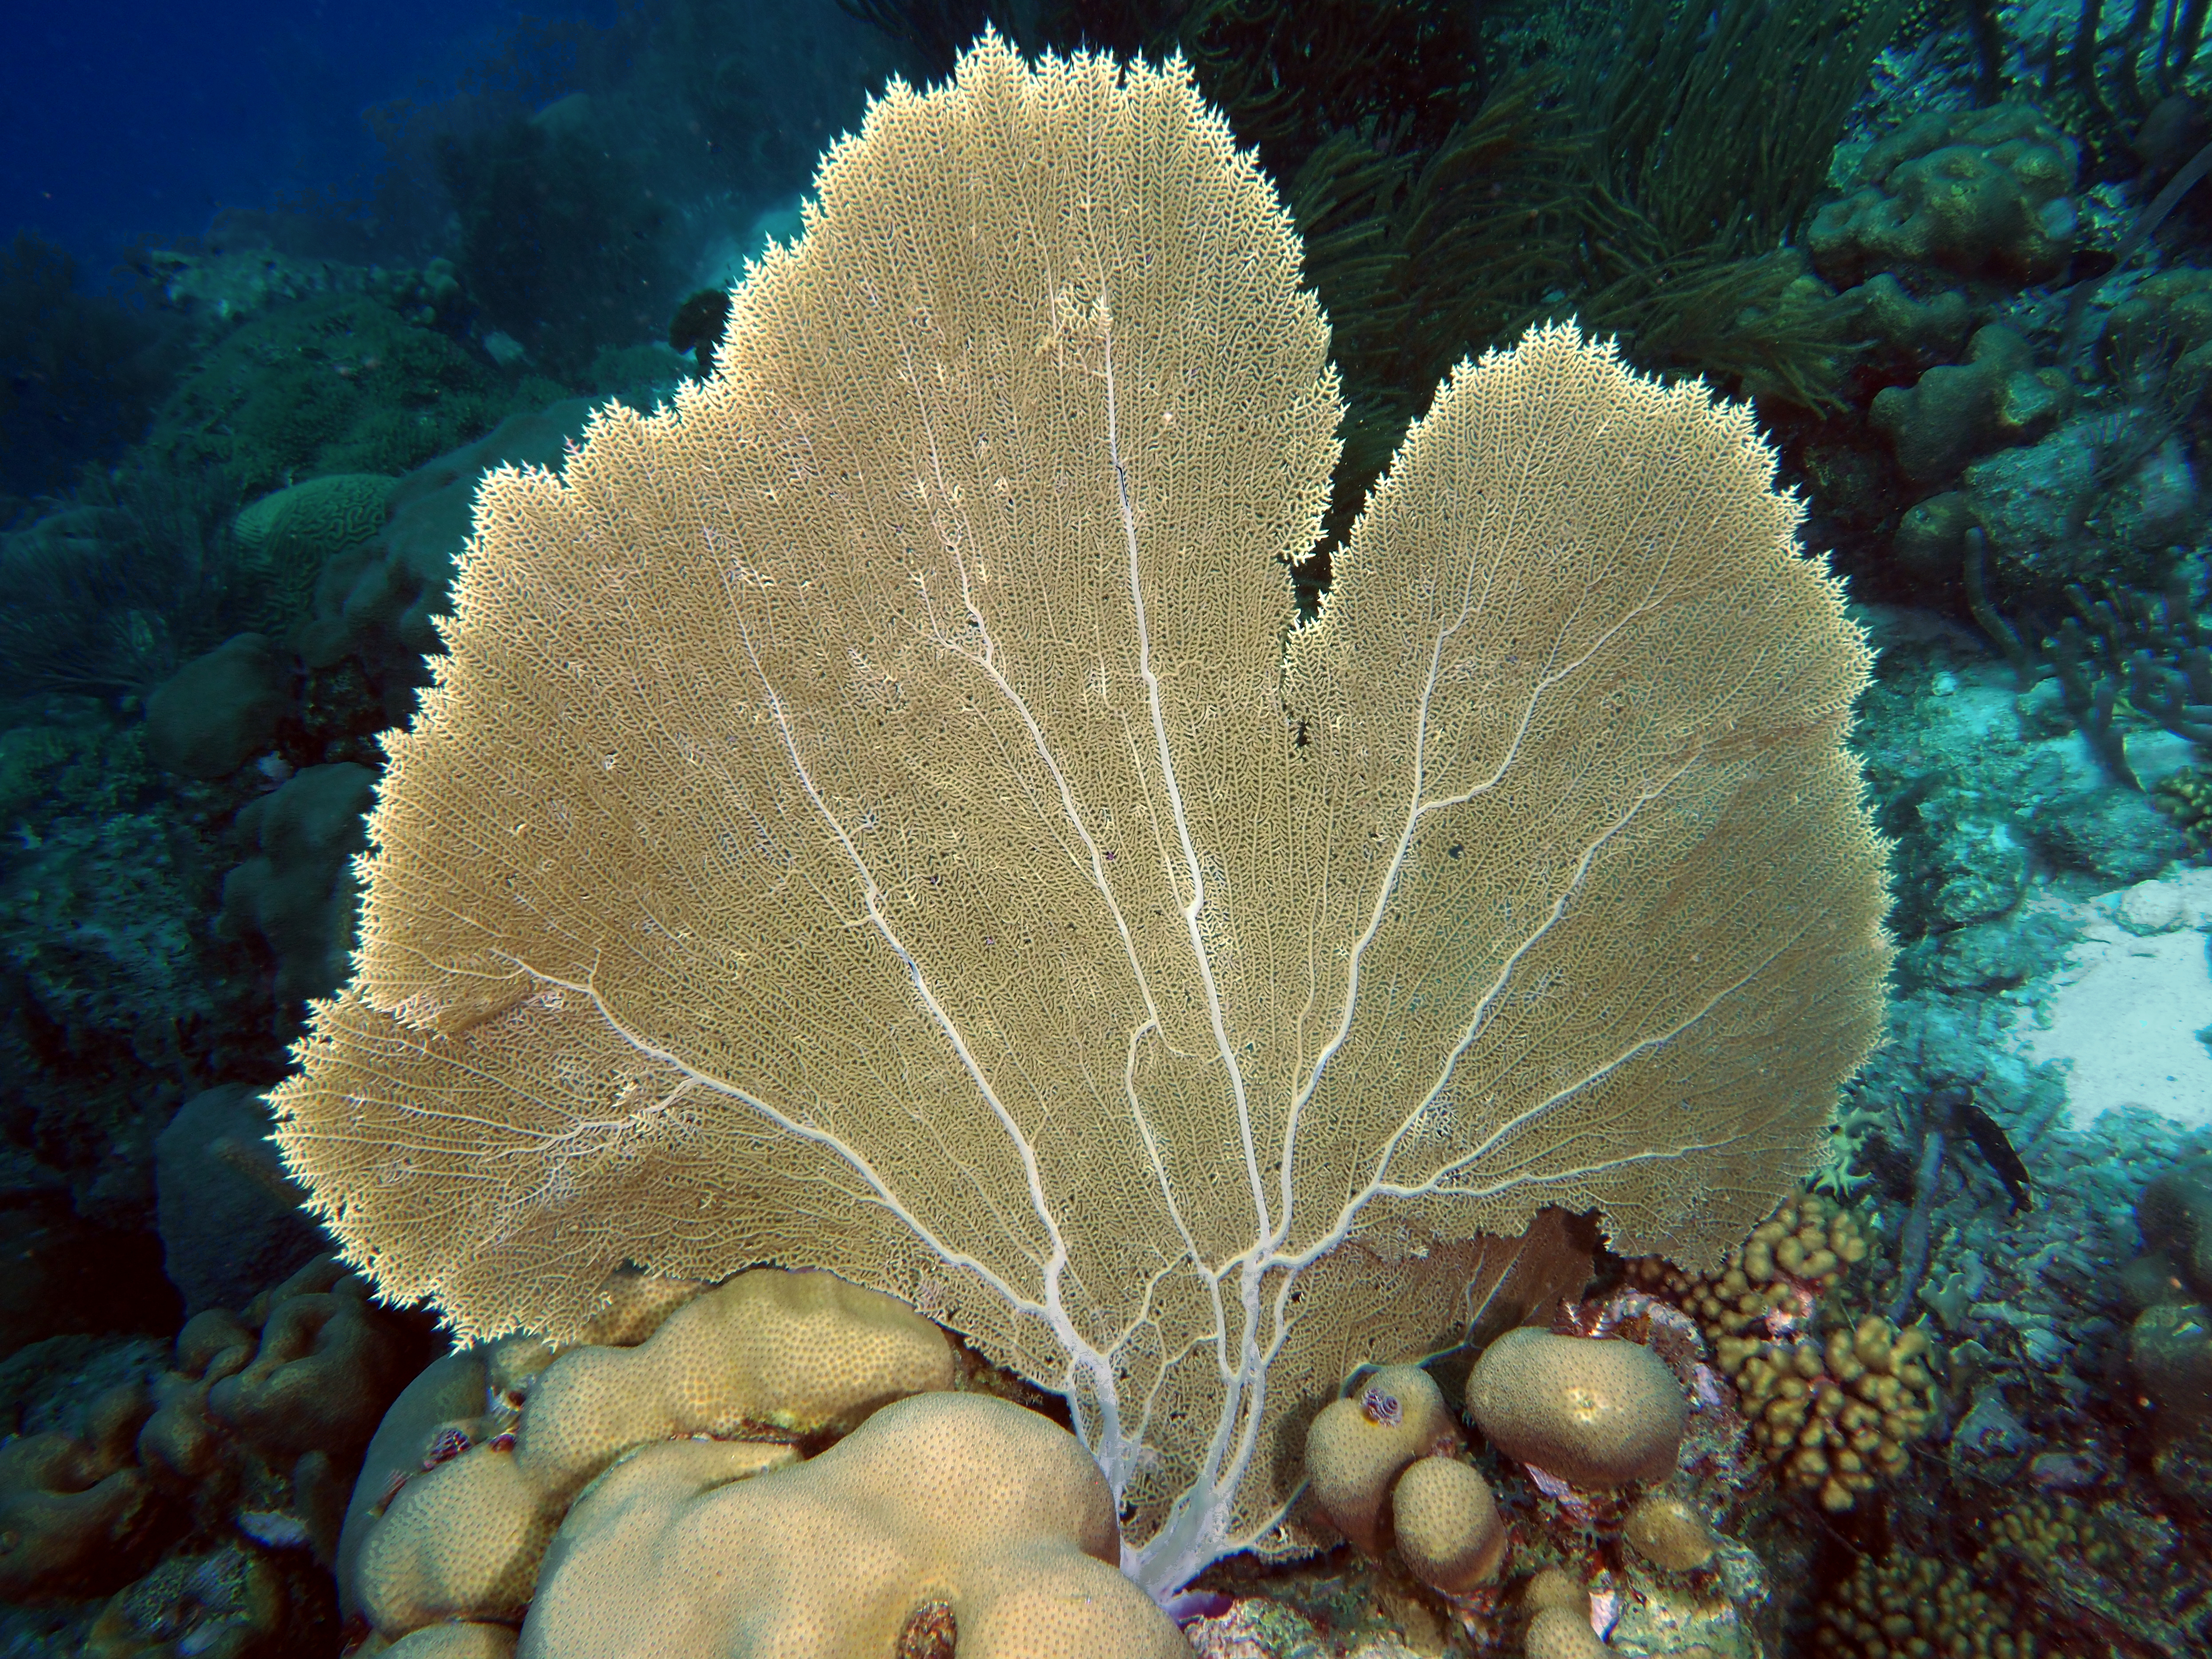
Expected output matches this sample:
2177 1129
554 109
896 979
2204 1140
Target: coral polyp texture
960 1518
1598 1412
1907 1606
1769 1284
1837 1416
1834 1413
1449 1531
1355 1447
475 1467
876 813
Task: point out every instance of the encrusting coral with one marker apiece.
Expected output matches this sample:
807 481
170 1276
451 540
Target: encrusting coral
1667 1530
872 815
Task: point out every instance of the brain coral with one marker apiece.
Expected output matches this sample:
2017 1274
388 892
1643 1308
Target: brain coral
287 536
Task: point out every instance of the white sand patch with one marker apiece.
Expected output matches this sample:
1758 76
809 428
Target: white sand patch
2126 1008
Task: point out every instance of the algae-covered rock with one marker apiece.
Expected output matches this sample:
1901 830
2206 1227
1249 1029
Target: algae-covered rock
298 894
336 383
221 709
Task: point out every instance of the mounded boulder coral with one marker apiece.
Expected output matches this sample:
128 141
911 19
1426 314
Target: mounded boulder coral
333 383
1597 1413
1449 1531
2175 1214
1916 331
1379 1464
298 894
254 1431
451 1392
457 1505
1978 194
1356 1446
1559 1633
463 1539
230 1220
457 1641
769 1353
957 1519
325 1362
1930 543
2170 1345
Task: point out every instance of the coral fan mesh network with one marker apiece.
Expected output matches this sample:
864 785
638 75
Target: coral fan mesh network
1105 724
869 816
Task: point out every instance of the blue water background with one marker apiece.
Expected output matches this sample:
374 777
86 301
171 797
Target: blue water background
121 121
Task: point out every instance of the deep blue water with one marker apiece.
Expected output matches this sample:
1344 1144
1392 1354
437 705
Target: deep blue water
120 122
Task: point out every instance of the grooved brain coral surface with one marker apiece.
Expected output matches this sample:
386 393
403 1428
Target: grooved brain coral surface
870 818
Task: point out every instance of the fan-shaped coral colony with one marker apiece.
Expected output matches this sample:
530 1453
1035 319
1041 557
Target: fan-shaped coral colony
1054 968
